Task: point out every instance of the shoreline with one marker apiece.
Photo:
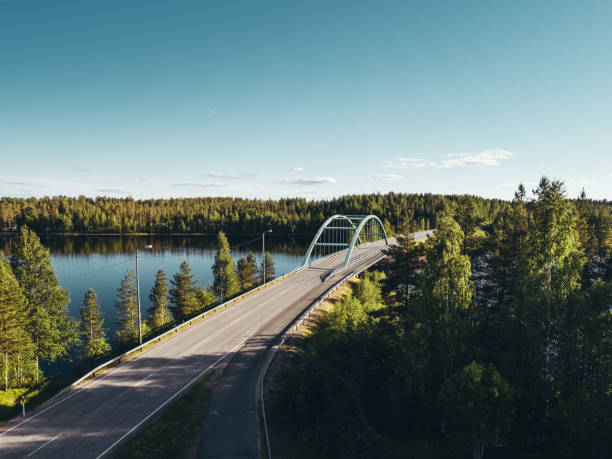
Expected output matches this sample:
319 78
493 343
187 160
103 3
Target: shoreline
14 233
52 233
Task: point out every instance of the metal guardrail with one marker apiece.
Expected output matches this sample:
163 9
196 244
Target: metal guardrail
294 328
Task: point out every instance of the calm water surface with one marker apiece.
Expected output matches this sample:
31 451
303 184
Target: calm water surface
100 262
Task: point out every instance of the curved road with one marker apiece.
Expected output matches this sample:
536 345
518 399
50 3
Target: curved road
91 420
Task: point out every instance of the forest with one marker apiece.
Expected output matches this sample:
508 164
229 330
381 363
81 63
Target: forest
62 214
473 344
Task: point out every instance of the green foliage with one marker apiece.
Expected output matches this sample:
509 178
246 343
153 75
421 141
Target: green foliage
551 264
476 402
368 290
159 312
52 331
398 211
402 266
93 337
348 314
127 309
226 283
205 297
184 293
247 270
465 215
325 403
507 344
15 343
270 270
445 291
445 284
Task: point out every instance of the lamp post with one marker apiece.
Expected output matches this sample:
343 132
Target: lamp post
263 253
148 246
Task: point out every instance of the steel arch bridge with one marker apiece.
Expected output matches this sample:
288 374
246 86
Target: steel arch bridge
340 232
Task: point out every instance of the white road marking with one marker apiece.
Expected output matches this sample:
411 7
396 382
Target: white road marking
143 380
41 447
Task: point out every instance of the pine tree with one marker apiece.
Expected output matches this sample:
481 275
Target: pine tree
252 262
53 332
226 283
183 294
15 343
520 194
270 269
404 262
247 271
205 297
159 312
549 271
465 216
551 261
127 305
505 245
92 327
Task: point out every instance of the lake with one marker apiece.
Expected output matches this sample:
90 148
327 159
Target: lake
100 262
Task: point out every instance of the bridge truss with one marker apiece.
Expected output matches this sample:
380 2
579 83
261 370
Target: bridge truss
345 232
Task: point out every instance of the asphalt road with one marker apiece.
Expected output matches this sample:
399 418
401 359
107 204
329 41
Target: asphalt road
91 420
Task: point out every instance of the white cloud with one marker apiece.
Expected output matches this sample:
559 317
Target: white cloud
225 175
388 177
407 163
296 169
312 181
198 185
484 158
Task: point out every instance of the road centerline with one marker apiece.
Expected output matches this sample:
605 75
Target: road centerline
143 380
45 444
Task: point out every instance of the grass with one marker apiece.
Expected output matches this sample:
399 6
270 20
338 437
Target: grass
175 433
10 404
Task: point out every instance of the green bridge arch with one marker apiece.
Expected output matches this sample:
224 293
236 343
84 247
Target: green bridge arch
341 232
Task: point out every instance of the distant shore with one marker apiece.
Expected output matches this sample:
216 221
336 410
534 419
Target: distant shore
13 233
50 233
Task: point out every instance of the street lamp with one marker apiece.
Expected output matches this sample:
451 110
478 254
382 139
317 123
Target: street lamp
148 247
263 253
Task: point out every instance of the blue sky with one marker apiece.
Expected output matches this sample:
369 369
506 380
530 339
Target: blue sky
313 99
